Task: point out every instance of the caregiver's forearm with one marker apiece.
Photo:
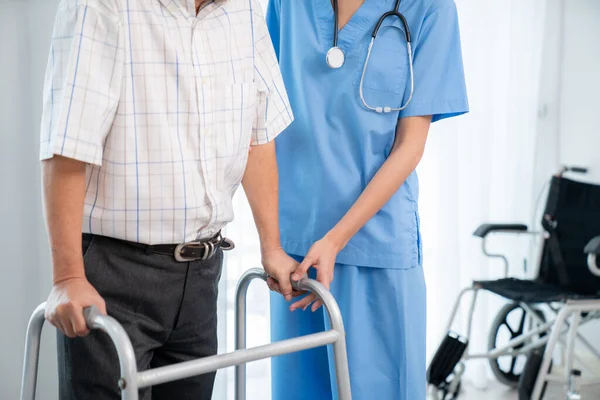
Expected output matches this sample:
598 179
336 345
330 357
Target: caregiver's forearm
411 135
261 186
63 182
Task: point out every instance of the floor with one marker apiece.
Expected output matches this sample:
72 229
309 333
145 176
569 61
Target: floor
497 391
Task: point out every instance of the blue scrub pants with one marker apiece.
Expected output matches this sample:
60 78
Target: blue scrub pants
384 317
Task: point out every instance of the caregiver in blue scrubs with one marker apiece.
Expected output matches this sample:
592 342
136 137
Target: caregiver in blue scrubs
348 186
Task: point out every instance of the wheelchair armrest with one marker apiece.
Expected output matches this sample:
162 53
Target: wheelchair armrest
483 230
593 246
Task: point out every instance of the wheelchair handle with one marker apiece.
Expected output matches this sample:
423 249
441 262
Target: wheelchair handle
131 380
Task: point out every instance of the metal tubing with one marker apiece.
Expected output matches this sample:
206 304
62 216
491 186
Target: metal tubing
523 338
127 361
455 308
507 352
156 376
570 307
531 312
554 336
471 311
94 320
500 256
335 317
592 349
591 316
32 353
131 381
240 325
571 343
339 346
506 349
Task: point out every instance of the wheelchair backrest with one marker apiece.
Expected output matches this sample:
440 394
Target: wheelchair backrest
572 219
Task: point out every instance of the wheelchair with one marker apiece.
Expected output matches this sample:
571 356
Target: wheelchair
539 312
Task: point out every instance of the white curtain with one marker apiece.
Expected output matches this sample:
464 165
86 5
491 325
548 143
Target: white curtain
480 167
477 168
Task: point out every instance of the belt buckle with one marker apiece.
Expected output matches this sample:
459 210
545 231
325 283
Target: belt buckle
208 251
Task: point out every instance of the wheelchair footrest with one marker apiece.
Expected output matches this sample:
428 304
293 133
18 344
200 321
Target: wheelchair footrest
445 359
530 374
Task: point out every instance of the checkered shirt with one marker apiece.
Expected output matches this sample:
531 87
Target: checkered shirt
162 104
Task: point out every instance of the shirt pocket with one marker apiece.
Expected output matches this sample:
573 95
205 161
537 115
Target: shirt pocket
233 117
387 74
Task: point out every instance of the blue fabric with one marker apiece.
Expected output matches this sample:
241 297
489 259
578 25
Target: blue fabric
335 146
384 317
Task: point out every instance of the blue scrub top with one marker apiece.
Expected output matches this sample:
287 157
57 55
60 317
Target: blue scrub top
328 155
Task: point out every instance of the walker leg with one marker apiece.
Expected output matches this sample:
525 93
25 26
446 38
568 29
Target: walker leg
128 382
240 327
32 353
339 346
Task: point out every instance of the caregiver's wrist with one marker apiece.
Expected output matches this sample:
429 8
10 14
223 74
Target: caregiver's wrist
338 238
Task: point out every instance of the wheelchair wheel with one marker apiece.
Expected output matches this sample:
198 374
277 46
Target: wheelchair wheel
511 322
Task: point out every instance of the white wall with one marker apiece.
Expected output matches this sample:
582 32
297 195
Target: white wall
25 29
579 113
547 135
580 87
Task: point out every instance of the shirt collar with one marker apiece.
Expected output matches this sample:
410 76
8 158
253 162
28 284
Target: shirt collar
187 7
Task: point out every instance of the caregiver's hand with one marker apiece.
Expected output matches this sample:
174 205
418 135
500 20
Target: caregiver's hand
279 266
322 257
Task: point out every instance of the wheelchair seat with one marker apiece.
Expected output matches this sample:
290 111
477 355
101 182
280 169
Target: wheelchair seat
531 292
571 219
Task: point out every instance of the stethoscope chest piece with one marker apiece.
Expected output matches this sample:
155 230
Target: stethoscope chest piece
335 57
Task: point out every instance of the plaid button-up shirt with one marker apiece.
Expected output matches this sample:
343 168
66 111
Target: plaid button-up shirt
163 105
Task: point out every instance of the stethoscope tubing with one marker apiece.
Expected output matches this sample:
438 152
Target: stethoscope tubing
335 56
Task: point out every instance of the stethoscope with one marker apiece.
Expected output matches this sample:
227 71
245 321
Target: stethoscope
335 56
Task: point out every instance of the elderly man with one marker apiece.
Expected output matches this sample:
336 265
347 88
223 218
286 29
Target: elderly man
150 110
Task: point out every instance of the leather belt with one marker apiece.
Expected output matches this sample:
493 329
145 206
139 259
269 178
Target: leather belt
190 251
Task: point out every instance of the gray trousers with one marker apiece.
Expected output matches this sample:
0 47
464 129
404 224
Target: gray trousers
168 308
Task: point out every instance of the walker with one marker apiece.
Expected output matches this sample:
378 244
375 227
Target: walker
131 380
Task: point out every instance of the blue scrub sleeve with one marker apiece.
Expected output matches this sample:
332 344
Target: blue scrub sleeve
440 88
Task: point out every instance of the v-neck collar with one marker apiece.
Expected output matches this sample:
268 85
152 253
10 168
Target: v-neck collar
363 19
